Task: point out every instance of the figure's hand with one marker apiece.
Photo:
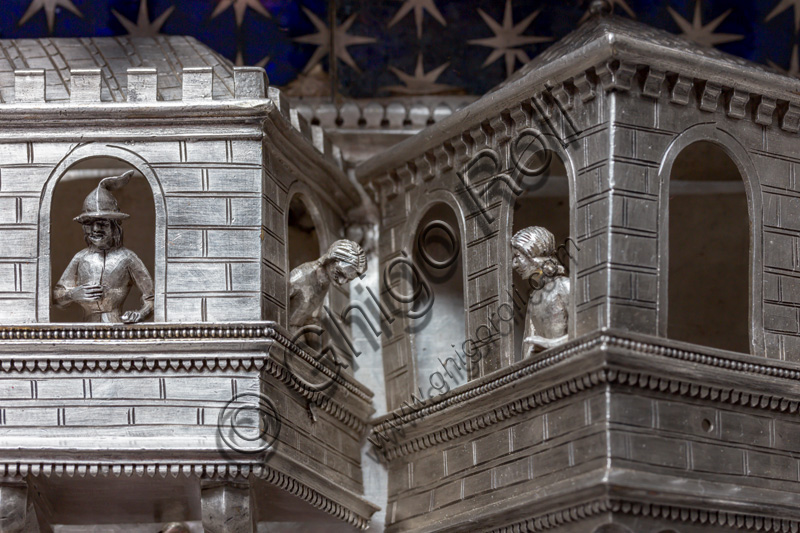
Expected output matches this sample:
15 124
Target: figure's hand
87 293
131 317
539 343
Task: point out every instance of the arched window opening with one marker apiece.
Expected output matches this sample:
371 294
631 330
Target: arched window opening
67 236
303 242
438 314
303 246
709 250
544 202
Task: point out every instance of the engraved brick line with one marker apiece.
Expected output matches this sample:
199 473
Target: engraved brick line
777 191
542 446
591 379
63 73
18 277
272 266
201 53
216 165
107 76
646 129
635 161
482 272
274 235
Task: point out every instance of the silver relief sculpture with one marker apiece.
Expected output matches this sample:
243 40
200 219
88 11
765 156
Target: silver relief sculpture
310 282
547 315
101 275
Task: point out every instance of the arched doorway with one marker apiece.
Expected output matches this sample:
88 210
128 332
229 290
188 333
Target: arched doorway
544 202
708 293
438 318
303 242
67 237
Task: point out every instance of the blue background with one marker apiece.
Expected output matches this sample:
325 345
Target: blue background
399 45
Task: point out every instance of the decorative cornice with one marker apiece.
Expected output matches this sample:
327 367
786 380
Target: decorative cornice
162 332
482 421
381 114
314 497
486 385
608 75
731 520
165 331
392 426
555 519
216 470
181 360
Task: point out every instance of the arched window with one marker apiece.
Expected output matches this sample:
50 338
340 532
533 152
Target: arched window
303 245
67 237
302 240
709 250
543 202
439 321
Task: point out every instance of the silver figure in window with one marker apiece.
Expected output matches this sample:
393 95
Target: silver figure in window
310 282
547 315
100 276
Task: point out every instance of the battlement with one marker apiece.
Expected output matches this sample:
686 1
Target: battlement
86 85
314 134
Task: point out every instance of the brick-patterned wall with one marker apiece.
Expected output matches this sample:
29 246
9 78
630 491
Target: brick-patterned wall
224 251
511 458
324 445
274 271
692 439
774 156
213 192
405 195
133 409
24 168
641 130
649 133
545 453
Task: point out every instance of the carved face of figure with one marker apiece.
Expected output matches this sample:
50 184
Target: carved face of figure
99 232
341 272
524 265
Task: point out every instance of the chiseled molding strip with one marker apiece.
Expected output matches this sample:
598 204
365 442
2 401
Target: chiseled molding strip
229 471
569 387
484 386
186 361
149 332
704 517
622 77
314 497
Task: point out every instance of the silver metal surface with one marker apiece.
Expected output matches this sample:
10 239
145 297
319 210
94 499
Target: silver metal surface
546 316
213 417
310 282
100 277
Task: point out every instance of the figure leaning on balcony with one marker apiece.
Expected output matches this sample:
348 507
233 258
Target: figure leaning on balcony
536 261
100 276
309 283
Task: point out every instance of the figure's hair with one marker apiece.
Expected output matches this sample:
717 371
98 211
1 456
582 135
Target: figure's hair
116 234
348 252
535 241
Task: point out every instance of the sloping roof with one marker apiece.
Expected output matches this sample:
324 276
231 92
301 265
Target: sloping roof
598 40
114 55
640 37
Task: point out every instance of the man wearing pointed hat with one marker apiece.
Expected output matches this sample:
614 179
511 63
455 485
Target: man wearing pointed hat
100 276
